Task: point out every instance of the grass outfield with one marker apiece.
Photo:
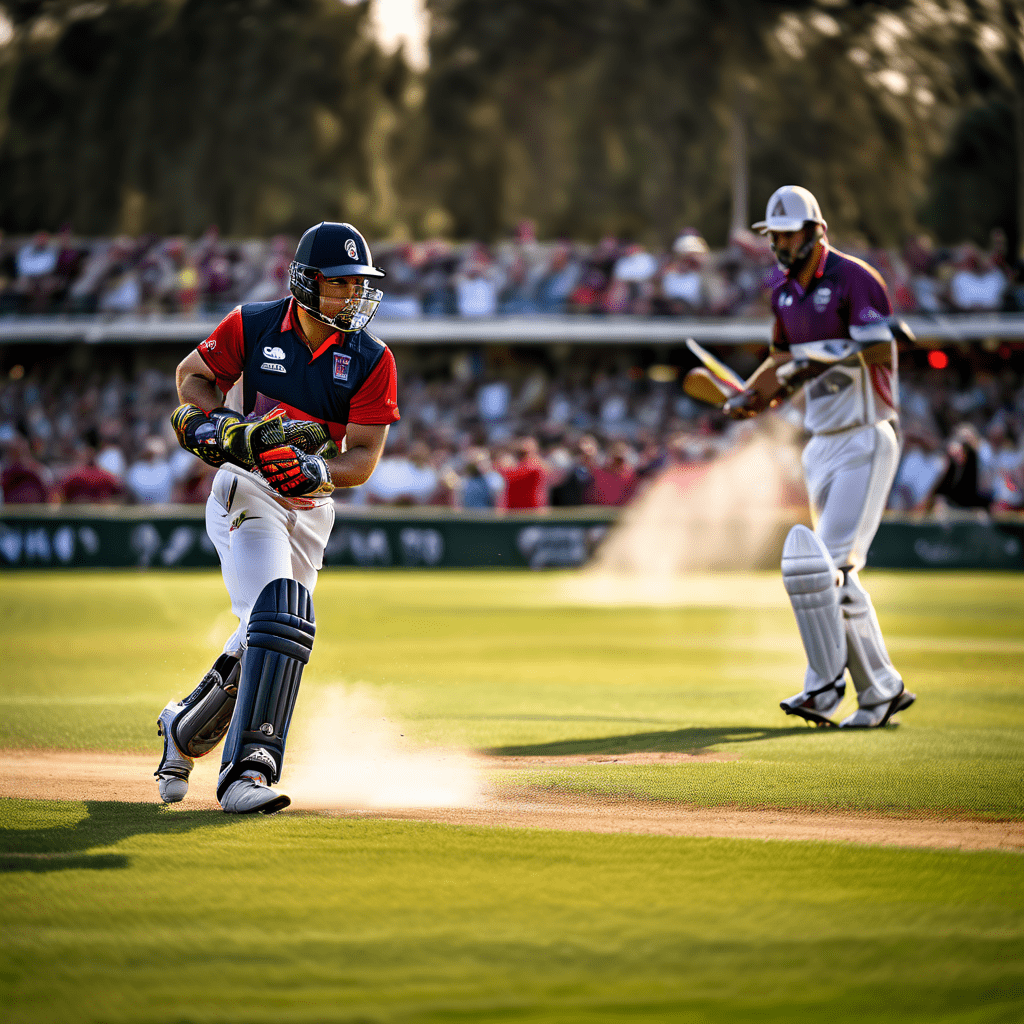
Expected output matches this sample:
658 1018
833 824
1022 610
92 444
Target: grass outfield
136 913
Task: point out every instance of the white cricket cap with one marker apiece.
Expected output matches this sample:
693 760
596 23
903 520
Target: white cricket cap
789 208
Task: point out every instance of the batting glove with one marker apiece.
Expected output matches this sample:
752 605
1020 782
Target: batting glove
309 437
293 473
744 406
243 441
197 433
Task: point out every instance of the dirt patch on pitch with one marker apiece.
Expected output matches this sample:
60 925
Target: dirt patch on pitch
53 775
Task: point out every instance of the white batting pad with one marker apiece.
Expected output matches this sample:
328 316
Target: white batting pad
811 581
870 668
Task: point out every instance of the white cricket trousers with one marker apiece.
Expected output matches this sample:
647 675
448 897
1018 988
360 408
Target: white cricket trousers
259 540
849 476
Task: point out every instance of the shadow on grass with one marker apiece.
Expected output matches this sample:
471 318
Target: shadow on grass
61 848
682 741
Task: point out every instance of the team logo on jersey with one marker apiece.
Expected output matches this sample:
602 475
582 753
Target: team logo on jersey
867 314
350 249
821 298
273 367
341 362
785 300
273 352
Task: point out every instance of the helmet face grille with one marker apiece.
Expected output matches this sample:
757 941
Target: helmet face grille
302 282
359 309
357 312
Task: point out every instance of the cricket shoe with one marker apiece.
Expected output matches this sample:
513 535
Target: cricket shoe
175 767
250 794
817 705
877 716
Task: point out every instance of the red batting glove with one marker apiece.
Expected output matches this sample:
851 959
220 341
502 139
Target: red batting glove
294 473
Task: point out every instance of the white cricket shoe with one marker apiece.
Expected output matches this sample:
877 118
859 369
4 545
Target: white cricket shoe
877 716
251 795
817 705
175 766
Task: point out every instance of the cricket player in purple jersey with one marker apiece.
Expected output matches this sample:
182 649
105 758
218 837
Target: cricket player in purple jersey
832 338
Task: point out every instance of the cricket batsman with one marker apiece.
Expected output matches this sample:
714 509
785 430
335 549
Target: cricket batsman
832 337
318 393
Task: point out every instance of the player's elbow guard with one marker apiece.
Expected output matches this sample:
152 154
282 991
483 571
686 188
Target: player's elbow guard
197 433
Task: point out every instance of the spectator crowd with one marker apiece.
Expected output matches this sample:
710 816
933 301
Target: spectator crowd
482 429
478 432
521 275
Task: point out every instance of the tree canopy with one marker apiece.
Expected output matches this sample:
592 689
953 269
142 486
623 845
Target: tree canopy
626 117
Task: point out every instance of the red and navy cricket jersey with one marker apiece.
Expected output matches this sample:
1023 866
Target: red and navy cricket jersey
350 378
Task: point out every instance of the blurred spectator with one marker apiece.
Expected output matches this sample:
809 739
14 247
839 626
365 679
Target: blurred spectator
272 276
194 484
150 480
436 288
483 486
401 286
110 456
526 475
36 269
557 279
959 484
88 484
477 284
612 478
629 290
683 287
23 480
976 284
921 467
1000 463
404 476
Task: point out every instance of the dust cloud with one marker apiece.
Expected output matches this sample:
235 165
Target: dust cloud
347 753
695 521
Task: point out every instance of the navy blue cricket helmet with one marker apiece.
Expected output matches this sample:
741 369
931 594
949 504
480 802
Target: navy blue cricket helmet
330 249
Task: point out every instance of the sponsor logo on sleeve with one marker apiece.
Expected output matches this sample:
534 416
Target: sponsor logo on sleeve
341 363
210 344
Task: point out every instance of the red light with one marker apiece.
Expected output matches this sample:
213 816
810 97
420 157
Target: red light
938 360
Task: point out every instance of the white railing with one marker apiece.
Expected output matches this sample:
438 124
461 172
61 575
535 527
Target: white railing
499 330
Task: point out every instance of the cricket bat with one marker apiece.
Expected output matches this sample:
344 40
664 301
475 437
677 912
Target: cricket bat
713 383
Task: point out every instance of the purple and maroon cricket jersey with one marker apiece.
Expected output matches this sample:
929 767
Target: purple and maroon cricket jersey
844 292
846 298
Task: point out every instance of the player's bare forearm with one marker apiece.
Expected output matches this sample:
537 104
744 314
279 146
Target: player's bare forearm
364 444
196 383
763 380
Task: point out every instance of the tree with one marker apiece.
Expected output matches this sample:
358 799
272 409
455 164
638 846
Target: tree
623 117
172 115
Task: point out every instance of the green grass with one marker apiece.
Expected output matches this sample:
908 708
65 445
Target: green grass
134 913
157 916
505 662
